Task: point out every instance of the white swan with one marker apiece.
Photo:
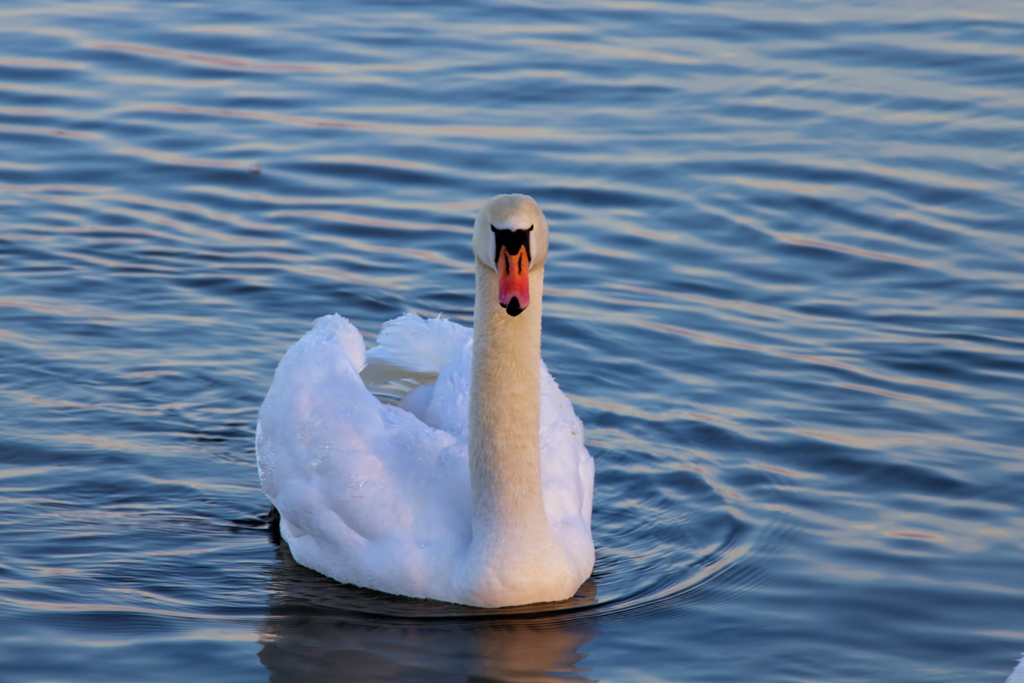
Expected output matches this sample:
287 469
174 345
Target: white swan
1017 675
478 488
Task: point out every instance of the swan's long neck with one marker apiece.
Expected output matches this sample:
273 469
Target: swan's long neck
504 416
514 557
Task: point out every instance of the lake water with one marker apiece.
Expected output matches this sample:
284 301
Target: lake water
785 294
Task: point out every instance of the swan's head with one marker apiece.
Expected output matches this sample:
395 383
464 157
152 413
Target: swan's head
511 237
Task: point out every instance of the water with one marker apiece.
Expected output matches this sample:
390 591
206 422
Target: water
785 295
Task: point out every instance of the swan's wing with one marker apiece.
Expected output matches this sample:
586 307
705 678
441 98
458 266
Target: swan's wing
567 472
418 346
351 476
1017 676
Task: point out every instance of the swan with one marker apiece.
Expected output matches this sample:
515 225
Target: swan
476 488
1017 675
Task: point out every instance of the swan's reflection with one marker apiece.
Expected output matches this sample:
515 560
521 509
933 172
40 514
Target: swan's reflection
320 630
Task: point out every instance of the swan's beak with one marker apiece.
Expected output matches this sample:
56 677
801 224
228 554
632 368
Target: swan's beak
513 280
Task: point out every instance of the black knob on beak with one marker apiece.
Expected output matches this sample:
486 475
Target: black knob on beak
513 308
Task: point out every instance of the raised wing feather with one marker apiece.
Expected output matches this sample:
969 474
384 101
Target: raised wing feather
421 345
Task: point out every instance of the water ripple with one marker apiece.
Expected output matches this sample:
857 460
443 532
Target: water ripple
784 294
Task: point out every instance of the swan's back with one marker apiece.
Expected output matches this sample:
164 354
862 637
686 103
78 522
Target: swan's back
437 345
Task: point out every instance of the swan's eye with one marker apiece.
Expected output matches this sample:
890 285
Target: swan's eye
512 240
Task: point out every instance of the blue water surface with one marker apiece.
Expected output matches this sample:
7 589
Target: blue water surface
785 294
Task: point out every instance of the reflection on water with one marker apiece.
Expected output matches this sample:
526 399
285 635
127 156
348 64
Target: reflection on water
318 629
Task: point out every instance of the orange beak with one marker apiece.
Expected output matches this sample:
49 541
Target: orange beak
513 281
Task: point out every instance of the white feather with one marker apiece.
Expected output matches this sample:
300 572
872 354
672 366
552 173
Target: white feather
1017 675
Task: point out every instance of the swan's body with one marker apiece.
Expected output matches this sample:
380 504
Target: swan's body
478 488
1017 675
